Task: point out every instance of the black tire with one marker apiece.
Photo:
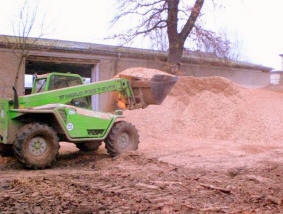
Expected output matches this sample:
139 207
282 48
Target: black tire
6 150
36 146
123 137
88 146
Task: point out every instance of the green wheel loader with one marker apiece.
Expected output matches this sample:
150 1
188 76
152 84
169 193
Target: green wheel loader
59 109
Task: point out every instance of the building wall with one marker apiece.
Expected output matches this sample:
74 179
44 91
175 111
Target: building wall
250 78
125 63
8 68
246 77
109 66
106 71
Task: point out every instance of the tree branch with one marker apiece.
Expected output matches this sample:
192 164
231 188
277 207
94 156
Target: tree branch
192 20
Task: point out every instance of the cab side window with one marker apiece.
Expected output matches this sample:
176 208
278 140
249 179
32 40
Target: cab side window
57 82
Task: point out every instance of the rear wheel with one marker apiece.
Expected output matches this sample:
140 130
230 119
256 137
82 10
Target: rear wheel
122 137
88 146
36 146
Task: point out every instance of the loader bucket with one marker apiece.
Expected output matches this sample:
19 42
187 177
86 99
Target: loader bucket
151 91
160 87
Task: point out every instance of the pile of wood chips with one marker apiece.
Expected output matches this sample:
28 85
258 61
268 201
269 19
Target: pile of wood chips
213 108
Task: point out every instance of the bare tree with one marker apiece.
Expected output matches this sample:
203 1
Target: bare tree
23 26
180 21
159 40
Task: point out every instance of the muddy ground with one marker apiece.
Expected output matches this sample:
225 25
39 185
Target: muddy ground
194 177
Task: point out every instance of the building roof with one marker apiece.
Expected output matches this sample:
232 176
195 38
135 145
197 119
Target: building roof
109 50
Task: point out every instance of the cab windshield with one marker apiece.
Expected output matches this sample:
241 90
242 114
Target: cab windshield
57 82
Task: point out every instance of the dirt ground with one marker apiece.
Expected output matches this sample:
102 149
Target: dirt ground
192 178
174 170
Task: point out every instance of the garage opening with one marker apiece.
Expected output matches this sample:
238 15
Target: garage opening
87 70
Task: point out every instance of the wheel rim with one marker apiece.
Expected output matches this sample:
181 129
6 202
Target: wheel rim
123 140
37 146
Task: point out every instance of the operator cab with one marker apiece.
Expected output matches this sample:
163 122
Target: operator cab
54 81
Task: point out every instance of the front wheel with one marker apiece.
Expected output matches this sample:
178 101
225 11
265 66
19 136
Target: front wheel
36 145
122 137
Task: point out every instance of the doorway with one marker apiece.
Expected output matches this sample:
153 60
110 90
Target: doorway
88 70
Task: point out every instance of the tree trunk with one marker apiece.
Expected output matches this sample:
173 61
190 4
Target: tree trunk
174 57
177 40
19 68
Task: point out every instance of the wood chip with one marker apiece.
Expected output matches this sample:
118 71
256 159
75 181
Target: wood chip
148 186
274 200
208 186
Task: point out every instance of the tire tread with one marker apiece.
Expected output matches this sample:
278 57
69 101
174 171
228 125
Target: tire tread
23 134
116 129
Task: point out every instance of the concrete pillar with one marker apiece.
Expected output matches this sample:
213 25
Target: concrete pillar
94 78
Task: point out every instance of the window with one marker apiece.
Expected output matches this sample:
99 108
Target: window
57 81
275 79
40 85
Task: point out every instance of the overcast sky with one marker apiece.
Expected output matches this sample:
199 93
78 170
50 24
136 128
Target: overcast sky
255 24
